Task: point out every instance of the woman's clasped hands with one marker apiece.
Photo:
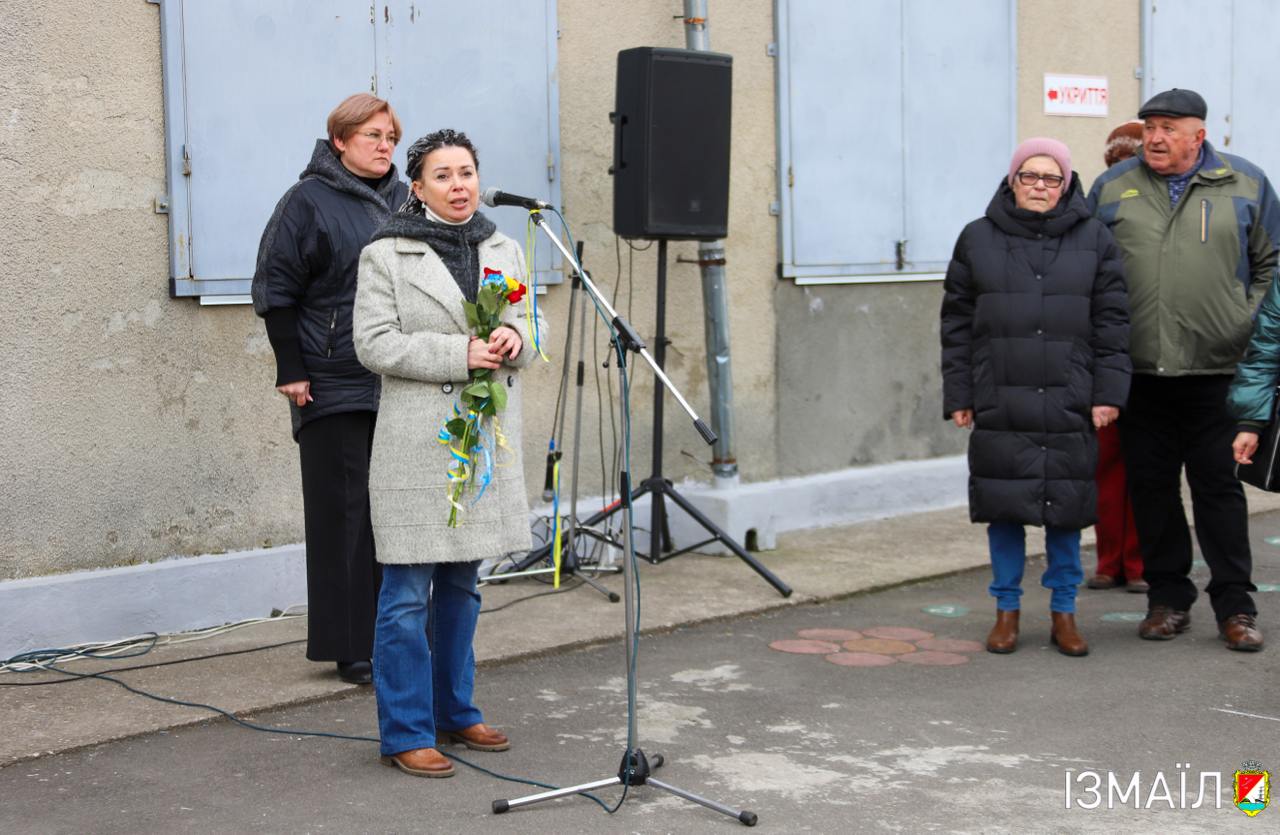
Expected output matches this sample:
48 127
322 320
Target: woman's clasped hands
502 342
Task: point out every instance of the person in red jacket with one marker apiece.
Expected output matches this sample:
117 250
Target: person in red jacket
1119 556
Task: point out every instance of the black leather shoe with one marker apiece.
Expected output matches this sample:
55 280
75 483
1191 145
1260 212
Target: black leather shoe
1163 623
355 672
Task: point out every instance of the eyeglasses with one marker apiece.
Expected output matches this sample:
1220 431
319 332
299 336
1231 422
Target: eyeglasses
376 138
1029 178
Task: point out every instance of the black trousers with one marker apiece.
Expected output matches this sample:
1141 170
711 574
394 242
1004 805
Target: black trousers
1171 422
342 574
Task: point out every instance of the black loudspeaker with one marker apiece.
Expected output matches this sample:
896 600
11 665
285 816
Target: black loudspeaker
671 144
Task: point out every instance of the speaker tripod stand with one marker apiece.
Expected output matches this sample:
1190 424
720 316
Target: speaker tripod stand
656 486
636 768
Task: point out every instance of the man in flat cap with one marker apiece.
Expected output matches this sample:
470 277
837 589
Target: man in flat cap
1200 231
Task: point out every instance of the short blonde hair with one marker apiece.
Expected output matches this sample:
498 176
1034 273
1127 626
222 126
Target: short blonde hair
357 109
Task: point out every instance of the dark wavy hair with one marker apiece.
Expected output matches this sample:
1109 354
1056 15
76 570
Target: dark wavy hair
447 137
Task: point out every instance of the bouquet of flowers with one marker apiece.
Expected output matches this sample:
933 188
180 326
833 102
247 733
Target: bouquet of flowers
472 434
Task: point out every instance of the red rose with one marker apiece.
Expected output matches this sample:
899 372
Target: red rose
516 294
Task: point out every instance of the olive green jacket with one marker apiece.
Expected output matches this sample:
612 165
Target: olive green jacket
1195 272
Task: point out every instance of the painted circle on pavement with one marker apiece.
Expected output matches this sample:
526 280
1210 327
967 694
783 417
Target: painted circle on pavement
935 659
881 646
805 647
861 659
836 635
897 633
946 610
1267 587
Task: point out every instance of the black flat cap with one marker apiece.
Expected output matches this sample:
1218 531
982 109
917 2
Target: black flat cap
1175 102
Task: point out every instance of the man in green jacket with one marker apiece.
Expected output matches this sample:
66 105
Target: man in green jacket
1200 231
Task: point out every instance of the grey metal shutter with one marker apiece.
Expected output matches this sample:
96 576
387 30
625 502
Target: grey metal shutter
896 119
248 84
1224 50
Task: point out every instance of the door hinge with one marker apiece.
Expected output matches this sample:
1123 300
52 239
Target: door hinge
161 204
551 167
791 177
186 161
775 208
771 50
900 255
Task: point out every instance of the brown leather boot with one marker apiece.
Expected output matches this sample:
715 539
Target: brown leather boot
1003 638
1064 635
421 762
479 737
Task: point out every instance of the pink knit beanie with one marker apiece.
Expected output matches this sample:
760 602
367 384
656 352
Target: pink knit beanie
1042 146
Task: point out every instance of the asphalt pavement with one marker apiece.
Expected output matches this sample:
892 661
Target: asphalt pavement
873 712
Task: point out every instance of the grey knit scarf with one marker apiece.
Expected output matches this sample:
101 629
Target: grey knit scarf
457 246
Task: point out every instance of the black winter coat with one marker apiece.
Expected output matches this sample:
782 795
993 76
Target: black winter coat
1035 330
307 261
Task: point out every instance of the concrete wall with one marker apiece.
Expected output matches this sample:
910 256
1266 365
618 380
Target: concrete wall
591 35
1085 37
137 427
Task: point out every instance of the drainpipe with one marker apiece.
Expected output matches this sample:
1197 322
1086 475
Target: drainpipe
715 302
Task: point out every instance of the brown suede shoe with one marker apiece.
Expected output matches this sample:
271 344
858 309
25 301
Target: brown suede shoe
1102 581
1241 633
479 737
421 762
1138 586
1003 638
1163 623
1065 636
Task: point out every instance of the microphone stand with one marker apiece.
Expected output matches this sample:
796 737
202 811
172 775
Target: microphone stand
636 767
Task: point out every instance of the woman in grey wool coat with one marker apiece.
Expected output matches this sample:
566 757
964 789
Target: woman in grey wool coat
411 328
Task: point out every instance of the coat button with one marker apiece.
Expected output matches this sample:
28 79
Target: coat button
1039 277
447 388
511 381
1039 331
1047 502
1040 391
1044 448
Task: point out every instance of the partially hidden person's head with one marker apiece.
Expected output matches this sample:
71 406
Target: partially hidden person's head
1039 173
364 130
1123 142
445 172
1173 130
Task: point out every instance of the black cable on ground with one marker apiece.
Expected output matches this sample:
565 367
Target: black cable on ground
564 588
77 676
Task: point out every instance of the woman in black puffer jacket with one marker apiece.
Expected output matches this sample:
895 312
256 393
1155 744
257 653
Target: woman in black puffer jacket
304 286
1035 330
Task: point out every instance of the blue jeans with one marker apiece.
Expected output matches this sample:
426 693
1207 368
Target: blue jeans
424 667
1008 542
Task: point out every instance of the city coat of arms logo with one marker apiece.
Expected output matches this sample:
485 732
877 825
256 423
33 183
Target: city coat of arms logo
1252 788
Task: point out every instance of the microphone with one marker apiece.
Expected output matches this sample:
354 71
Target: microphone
496 197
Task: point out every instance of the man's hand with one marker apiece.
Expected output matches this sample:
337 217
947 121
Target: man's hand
963 418
1244 446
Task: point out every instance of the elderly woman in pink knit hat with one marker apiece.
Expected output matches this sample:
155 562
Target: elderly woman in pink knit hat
1035 331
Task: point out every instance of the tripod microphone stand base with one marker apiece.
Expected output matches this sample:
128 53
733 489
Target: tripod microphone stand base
634 771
